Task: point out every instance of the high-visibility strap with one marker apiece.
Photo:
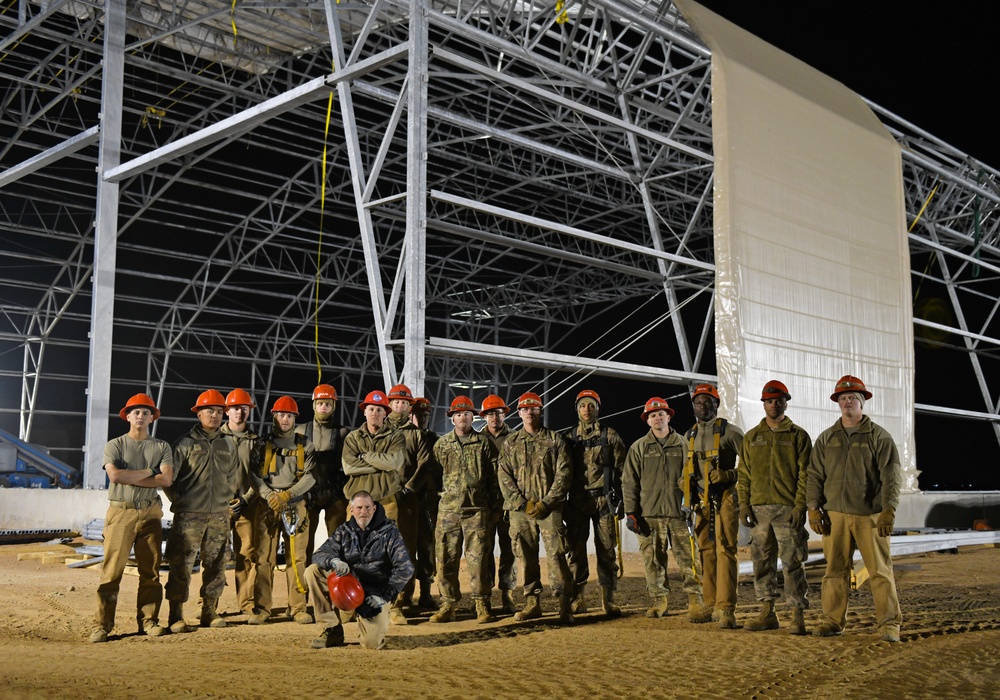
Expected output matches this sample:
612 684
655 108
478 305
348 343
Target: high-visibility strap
270 465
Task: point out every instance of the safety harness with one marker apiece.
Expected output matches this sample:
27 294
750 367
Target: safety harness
288 516
697 467
612 481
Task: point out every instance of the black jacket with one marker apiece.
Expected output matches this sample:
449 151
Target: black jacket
376 555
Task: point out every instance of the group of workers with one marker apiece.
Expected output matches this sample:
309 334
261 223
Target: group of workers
402 505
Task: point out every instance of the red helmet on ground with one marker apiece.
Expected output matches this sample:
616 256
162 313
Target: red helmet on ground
375 398
492 403
775 390
588 394
529 399
139 401
324 391
346 592
706 389
207 399
459 404
285 404
848 383
421 405
238 397
656 404
401 391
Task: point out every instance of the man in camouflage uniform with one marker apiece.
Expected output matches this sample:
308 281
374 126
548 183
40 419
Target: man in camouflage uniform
244 509
420 416
206 480
469 495
285 477
653 508
137 464
595 496
534 478
327 440
418 470
710 481
774 459
494 409
852 491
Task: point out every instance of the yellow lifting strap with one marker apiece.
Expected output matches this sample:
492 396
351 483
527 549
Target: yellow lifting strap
717 429
270 465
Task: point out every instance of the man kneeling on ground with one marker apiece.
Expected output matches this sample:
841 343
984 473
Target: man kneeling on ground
370 546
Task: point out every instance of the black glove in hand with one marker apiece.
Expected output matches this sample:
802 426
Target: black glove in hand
746 516
237 506
637 524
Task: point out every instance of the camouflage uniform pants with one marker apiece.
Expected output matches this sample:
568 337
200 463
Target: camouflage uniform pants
190 532
452 528
270 531
578 516
123 529
245 556
718 556
773 537
525 532
499 532
664 533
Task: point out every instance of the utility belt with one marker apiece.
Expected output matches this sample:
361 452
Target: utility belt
135 505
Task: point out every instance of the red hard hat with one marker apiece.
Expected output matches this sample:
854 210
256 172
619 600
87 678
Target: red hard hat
324 391
461 403
139 401
492 403
656 404
285 404
421 405
848 383
375 398
529 399
346 592
589 394
774 390
401 391
209 398
238 397
706 389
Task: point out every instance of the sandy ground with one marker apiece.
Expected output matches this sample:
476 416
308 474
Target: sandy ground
949 647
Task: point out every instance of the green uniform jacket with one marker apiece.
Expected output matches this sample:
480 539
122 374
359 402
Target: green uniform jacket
773 465
418 465
588 462
857 474
469 473
500 439
206 472
374 462
652 473
327 440
247 446
286 475
534 467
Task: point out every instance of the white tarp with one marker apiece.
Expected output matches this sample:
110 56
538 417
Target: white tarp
811 254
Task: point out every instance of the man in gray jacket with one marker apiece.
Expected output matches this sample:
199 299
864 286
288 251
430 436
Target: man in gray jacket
852 491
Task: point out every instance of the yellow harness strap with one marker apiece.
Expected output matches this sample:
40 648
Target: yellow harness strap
270 465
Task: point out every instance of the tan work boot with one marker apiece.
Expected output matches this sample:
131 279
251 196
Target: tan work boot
659 607
608 606
566 610
532 609
396 615
483 612
98 636
446 613
767 620
579 603
890 633
507 602
700 613
210 616
727 620
827 629
151 628
798 625
176 618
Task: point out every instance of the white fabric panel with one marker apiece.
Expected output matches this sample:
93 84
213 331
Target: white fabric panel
812 260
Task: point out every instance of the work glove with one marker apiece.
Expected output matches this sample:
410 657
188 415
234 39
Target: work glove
339 567
637 524
721 476
237 506
404 491
371 607
797 518
277 500
541 511
819 521
886 519
746 516
529 508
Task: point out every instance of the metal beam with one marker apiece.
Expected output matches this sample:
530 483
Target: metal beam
51 155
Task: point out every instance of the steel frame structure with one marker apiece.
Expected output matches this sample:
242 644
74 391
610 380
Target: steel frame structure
435 191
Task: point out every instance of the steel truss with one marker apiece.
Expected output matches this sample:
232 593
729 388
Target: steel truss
496 175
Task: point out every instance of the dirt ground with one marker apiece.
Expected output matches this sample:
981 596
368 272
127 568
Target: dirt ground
949 647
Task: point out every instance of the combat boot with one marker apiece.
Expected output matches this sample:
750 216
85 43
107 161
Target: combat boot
767 620
446 613
176 618
890 633
396 615
579 603
151 628
699 613
209 615
426 600
507 602
798 625
659 607
608 606
99 635
727 620
483 612
566 610
331 637
827 629
532 609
